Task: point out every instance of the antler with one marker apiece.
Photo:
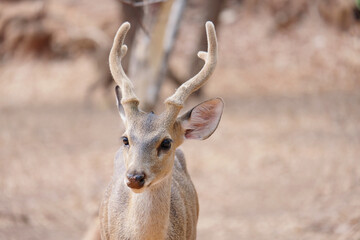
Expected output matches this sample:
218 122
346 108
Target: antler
129 100
176 101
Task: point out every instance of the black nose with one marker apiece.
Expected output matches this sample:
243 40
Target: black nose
135 180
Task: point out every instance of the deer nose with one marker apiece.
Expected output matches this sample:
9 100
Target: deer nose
135 180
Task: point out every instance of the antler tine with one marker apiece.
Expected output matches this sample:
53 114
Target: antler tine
118 51
177 100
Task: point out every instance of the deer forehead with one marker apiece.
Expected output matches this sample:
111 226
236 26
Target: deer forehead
148 129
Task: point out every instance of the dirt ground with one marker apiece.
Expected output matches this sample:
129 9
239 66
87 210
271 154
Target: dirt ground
283 164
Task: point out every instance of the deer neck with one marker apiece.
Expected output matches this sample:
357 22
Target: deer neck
148 212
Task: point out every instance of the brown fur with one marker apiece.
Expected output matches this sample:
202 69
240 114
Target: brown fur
168 209
165 206
171 208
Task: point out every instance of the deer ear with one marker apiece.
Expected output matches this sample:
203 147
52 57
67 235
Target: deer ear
201 121
118 103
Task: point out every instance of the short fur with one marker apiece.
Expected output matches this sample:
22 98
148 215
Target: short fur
168 209
165 204
172 207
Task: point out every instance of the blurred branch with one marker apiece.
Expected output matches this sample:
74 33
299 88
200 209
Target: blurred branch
141 3
213 10
149 59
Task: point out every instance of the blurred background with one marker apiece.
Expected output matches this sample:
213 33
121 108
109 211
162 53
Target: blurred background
283 164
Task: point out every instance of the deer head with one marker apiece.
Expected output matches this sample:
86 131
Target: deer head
150 140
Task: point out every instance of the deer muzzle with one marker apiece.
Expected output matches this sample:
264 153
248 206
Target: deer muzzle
135 180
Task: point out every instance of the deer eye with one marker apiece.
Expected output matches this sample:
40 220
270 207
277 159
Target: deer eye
125 141
166 144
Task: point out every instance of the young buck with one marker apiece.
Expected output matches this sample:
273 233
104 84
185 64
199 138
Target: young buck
151 195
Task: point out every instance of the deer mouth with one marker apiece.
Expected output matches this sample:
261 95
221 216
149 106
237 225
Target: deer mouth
135 184
135 180
135 189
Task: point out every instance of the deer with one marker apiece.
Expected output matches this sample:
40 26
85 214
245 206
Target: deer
151 195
